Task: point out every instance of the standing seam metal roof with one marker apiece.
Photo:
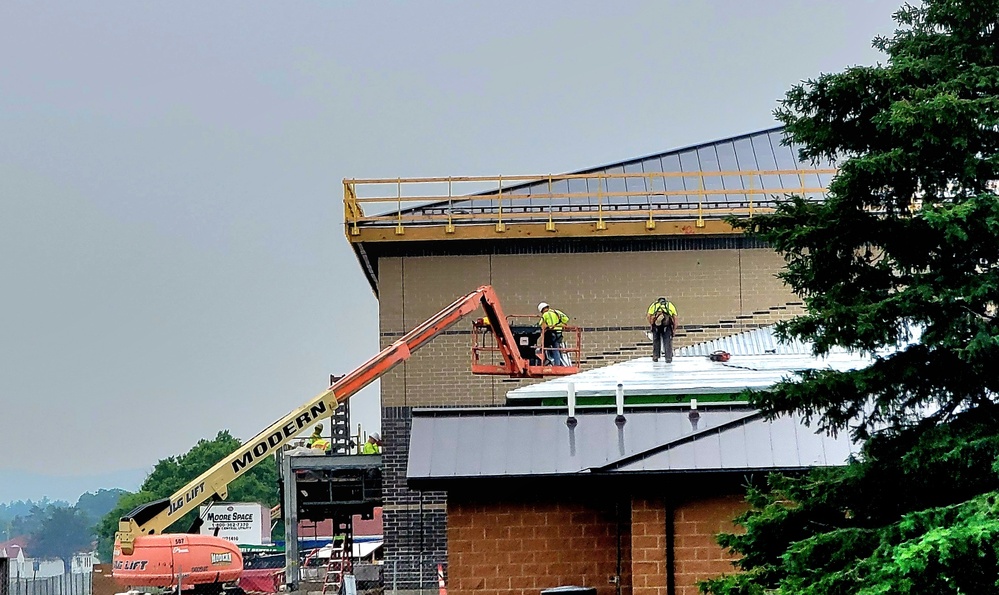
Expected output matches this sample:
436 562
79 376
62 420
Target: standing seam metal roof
508 442
758 361
757 151
492 442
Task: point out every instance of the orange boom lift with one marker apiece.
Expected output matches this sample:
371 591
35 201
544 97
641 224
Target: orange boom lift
146 557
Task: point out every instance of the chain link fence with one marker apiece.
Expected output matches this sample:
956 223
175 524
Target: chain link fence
421 573
67 584
404 575
368 579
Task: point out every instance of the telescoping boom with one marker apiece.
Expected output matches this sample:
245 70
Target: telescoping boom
149 520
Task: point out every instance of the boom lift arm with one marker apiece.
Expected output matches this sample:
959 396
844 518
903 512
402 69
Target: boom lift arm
155 517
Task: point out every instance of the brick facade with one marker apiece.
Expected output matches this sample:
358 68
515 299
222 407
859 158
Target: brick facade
717 292
649 542
414 522
521 544
719 287
697 554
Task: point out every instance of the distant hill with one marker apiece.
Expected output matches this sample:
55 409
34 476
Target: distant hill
20 485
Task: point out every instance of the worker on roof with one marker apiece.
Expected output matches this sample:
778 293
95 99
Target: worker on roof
373 445
551 323
662 319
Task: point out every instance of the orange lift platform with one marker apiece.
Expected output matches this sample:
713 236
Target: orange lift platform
489 353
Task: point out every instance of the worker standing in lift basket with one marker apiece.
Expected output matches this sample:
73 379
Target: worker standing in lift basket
552 321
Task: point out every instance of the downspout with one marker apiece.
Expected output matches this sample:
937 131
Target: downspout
617 576
670 545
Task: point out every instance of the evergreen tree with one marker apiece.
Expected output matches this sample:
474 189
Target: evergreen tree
904 250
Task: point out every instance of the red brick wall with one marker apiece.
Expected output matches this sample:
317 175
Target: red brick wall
697 554
510 546
648 546
520 548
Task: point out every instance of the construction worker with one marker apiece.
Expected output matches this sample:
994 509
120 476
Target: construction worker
316 435
551 324
373 445
662 319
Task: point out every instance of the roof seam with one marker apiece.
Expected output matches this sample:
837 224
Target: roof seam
721 428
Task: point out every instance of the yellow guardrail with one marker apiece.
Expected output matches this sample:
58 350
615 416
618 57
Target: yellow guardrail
595 199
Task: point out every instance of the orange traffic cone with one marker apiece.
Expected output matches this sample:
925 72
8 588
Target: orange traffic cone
440 580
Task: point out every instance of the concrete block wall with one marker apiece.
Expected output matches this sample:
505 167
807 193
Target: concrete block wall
519 547
648 546
698 555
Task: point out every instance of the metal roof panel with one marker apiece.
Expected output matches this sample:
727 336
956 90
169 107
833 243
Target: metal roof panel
761 150
758 446
504 442
784 442
758 361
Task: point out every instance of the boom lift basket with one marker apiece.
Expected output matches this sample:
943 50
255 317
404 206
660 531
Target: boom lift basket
487 356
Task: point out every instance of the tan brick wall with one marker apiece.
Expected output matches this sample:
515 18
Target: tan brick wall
648 546
520 548
697 553
598 290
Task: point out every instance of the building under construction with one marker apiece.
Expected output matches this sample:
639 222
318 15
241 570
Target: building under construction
599 244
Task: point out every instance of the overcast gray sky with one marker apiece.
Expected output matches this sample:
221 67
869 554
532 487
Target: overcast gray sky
172 260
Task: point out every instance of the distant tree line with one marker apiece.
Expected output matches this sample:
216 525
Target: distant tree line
58 530
54 529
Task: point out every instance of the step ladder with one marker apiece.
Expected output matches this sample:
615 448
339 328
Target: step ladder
336 567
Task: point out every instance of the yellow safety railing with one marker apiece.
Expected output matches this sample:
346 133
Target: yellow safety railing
499 202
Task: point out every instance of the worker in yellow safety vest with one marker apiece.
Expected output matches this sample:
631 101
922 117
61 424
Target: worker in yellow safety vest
373 445
551 323
662 319
317 434
316 440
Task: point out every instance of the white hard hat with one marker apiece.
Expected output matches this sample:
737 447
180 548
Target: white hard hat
377 436
542 306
